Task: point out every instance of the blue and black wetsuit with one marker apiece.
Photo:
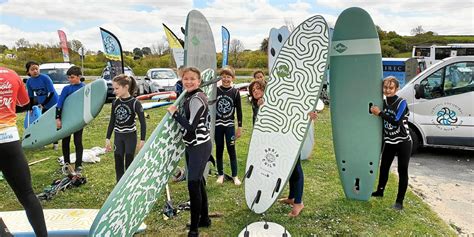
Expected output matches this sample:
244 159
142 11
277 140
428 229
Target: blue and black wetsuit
67 90
397 141
194 119
228 102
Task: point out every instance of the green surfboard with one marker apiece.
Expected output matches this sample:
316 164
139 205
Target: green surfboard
355 73
79 109
137 191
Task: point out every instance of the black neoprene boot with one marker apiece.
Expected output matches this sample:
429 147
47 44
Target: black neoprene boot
378 193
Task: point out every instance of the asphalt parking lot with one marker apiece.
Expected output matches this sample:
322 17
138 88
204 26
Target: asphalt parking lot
444 178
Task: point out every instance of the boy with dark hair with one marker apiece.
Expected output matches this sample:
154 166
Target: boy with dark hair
74 76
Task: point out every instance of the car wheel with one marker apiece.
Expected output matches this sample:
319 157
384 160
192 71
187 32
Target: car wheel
415 138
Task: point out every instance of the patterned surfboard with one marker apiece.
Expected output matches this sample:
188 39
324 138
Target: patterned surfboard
283 121
60 222
137 191
356 72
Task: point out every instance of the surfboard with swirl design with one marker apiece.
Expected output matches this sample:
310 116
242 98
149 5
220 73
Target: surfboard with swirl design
282 122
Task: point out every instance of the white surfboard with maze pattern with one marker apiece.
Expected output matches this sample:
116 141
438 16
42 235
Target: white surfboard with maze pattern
282 122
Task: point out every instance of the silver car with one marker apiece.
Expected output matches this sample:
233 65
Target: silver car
162 79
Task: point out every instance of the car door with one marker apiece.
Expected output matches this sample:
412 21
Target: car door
445 110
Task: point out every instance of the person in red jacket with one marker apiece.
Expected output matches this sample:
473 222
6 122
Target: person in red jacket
13 163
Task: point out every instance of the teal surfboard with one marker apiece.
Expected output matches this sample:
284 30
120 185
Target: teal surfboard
356 69
60 222
283 121
137 191
79 109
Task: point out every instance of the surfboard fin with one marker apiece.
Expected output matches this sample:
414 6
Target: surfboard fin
246 233
249 172
257 198
277 187
285 234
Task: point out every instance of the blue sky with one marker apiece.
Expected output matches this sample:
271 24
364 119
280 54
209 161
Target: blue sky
137 23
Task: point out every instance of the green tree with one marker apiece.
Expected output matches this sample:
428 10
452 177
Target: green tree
3 48
264 45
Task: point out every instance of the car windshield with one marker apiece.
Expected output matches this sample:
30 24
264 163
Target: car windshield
106 74
57 75
163 74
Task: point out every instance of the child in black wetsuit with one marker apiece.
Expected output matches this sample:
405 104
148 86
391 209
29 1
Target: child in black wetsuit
228 102
194 120
122 122
397 140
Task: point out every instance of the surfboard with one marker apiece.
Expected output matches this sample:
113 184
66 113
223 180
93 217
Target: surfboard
60 222
309 140
200 52
170 96
264 229
148 96
79 109
356 69
275 42
151 105
282 122
137 191
31 116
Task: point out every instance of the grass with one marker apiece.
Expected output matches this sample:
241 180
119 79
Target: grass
326 211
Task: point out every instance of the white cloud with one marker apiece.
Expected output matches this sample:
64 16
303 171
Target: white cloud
137 23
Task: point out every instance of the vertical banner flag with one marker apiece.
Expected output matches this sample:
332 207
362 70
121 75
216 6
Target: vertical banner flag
175 46
113 52
63 43
225 45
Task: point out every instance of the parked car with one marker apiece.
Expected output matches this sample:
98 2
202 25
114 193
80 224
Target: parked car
57 73
161 79
143 87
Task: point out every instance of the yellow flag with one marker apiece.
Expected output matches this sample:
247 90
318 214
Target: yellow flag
172 40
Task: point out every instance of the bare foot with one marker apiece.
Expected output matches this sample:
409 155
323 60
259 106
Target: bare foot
237 181
287 201
220 179
297 207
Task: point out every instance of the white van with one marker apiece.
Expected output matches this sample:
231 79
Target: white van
441 104
57 73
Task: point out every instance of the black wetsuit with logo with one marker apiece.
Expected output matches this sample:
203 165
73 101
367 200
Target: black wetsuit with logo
122 122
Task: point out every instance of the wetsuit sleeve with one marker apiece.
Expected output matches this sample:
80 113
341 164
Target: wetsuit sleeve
238 107
398 118
59 106
51 90
196 108
141 118
112 121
